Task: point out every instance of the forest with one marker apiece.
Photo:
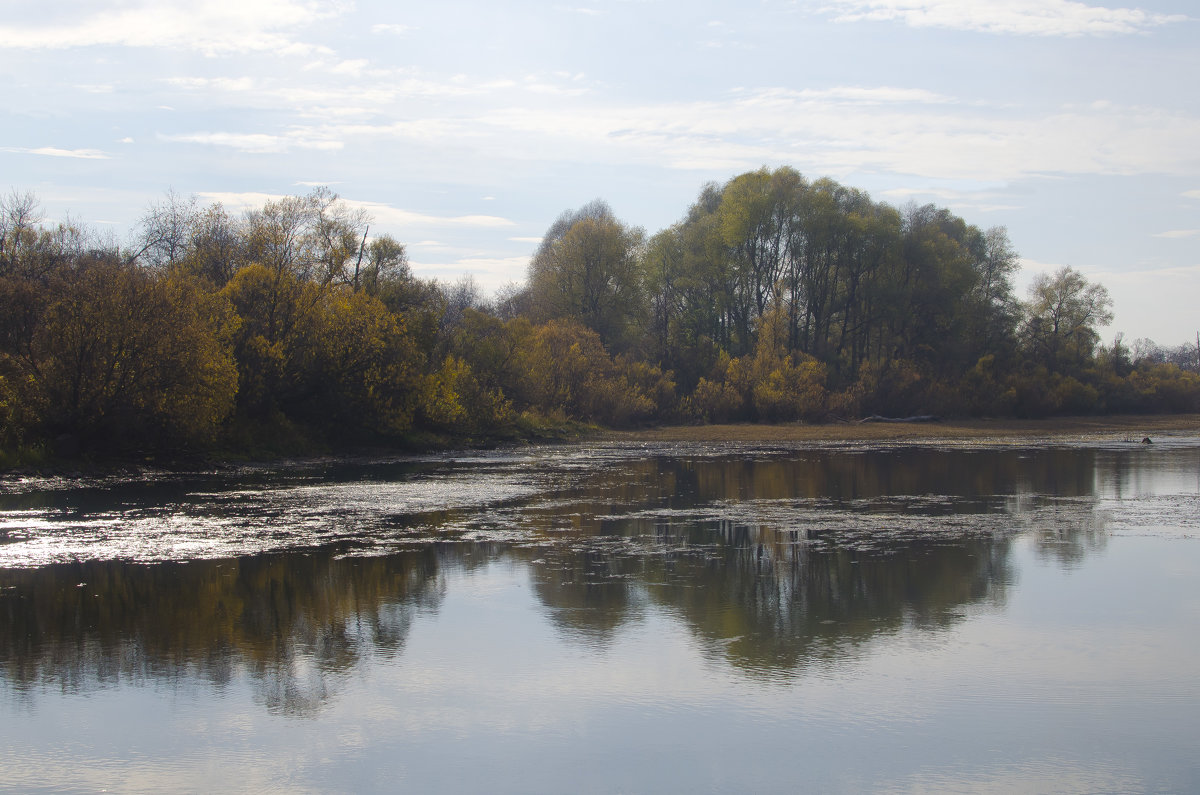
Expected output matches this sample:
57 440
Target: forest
775 298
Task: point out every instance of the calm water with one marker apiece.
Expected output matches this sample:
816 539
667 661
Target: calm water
666 618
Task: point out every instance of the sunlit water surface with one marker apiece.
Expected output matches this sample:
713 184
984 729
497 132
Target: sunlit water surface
727 618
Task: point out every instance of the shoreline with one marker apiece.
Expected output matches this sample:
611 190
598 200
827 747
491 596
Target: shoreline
1131 428
1116 428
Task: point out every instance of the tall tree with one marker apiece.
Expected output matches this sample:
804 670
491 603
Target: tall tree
587 269
1063 315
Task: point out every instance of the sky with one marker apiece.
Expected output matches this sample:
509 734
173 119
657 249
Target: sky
466 128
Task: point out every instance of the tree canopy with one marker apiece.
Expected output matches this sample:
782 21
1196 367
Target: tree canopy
774 298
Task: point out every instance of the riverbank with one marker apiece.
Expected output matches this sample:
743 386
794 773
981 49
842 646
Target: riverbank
1132 428
1117 428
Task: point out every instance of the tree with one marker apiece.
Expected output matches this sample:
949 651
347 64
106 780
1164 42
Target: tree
386 261
217 248
167 229
124 356
1062 316
314 237
755 219
587 269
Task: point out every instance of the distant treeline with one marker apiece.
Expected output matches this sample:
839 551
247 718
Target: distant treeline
775 298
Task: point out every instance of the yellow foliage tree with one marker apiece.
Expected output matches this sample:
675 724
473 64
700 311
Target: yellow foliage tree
128 356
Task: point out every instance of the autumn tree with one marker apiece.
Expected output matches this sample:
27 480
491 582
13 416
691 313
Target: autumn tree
217 246
315 237
1062 318
123 356
587 269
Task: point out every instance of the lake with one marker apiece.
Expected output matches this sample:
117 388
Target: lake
960 617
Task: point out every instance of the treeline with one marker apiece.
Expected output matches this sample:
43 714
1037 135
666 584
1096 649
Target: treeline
775 298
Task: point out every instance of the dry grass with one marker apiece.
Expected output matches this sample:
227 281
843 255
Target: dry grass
1134 428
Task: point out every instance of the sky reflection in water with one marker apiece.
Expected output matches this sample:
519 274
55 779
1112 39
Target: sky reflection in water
608 619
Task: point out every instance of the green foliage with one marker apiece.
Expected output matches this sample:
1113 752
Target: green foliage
587 270
1063 313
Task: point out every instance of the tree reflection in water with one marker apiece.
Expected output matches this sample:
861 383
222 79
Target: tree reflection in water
296 623
292 622
775 561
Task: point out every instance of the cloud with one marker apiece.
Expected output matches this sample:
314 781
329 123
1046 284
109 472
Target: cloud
393 216
393 29
350 68
50 151
973 200
864 95
1179 233
838 130
257 143
233 84
383 214
212 27
1014 17
834 133
489 273
1192 194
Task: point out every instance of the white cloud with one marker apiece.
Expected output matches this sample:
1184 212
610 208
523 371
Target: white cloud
839 130
350 68
965 201
489 273
865 95
837 137
392 216
232 84
257 143
1018 17
383 214
50 151
393 29
211 27
1179 233
1192 194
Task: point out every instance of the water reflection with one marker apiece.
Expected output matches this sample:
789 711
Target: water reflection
296 623
293 623
775 559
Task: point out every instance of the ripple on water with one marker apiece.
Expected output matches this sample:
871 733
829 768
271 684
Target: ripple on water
614 496
206 524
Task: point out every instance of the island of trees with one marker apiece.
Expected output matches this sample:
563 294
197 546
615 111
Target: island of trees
774 298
